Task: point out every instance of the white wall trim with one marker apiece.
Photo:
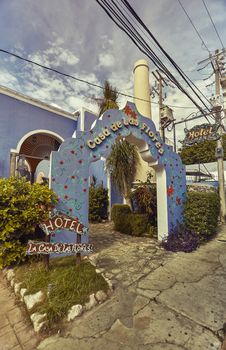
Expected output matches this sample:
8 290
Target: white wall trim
33 132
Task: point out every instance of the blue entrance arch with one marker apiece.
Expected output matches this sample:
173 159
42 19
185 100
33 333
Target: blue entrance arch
70 168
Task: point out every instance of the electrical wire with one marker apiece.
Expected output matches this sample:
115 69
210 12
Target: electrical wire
192 23
154 59
123 23
218 35
140 28
184 76
80 80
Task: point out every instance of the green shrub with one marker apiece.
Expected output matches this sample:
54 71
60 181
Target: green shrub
22 207
127 222
138 223
119 214
98 203
201 213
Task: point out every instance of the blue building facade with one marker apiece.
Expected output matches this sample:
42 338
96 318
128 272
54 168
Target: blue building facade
30 130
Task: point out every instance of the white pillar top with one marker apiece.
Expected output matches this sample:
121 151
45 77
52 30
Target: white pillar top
139 63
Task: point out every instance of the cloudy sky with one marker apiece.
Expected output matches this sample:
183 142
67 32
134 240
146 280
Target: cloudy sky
77 37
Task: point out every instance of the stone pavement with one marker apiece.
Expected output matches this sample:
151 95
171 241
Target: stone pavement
162 300
16 333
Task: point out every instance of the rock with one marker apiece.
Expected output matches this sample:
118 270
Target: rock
22 292
38 321
12 282
101 296
33 299
4 271
100 270
110 284
93 258
17 287
91 303
115 271
10 274
75 310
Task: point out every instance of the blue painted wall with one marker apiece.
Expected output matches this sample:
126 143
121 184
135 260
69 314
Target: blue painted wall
17 118
116 197
97 169
89 118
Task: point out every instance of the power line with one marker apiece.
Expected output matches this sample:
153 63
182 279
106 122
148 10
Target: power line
192 23
150 53
145 34
81 80
121 20
180 71
207 10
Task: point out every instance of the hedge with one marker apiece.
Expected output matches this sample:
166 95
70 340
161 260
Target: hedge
201 213
127 222
119 214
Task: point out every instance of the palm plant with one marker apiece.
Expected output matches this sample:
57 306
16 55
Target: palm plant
109 99
123 161
122 165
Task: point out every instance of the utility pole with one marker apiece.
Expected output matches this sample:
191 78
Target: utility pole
217 65
165 113
220 158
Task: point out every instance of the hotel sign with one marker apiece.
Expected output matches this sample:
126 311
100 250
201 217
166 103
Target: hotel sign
60 222
201 133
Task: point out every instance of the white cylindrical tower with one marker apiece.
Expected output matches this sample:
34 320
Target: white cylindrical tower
142 88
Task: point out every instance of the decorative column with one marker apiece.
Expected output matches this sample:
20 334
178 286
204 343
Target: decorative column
12 166
142 98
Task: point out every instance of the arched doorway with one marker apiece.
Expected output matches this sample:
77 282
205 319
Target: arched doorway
33 149
70 167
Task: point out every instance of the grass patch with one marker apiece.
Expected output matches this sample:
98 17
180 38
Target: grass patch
70 284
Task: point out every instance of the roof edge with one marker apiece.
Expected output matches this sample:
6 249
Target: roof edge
37 103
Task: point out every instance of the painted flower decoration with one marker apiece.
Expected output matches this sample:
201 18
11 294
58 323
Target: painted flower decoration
170 190
178 201
127 110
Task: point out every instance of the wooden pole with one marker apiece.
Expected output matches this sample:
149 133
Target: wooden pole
78 255
46 256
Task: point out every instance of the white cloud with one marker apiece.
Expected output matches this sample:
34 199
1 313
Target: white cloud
106 60
55 56
81 40
7 79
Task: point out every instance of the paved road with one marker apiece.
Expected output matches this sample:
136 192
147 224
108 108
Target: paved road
161 301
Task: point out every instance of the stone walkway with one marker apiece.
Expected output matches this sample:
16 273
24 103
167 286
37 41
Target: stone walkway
169 301
16 333
161 301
